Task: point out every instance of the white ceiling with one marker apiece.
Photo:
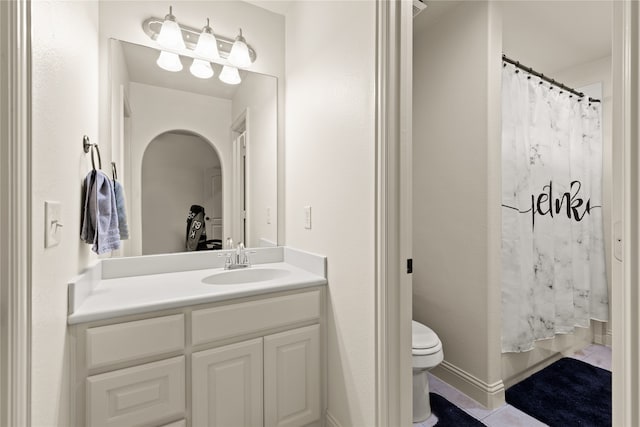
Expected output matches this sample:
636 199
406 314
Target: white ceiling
546 35
141 64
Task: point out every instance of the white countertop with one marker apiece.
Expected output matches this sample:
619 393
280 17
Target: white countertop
108 297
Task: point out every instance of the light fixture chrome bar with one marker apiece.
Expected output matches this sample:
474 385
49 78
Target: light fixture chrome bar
152 26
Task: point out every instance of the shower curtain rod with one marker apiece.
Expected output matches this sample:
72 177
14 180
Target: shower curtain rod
531 71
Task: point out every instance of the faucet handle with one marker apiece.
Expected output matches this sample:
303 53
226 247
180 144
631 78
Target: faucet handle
246 260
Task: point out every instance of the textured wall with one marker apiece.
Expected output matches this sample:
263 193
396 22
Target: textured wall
65 107
329 165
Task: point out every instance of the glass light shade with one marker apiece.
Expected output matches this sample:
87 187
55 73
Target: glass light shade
169 61
207 46
239 55
170 36
230 75
201 69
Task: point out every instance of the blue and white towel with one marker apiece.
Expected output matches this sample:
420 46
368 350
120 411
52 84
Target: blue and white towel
122 213
99 214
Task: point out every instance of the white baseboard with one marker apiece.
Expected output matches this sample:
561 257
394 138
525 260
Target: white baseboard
488 395
602 334
608 338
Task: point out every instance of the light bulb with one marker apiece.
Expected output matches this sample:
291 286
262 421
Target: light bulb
169 61
201 69
239 55
230 75
170 36
207 46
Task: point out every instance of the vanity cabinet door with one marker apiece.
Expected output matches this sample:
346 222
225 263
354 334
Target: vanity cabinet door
292 377
227 385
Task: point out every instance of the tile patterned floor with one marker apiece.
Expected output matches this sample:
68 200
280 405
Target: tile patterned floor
507 415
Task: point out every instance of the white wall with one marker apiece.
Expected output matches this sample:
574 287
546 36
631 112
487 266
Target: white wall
64 108
166 197
456 194
158 110
330 165
258 91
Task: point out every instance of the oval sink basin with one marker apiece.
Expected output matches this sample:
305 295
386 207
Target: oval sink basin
249 275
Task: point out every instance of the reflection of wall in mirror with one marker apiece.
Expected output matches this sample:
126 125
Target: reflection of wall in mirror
158 110
120 121
258 93
176 173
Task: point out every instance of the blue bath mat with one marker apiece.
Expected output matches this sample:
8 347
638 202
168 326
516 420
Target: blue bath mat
567 393
449 415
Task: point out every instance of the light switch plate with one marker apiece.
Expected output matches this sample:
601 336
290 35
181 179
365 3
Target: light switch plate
307 217
52 223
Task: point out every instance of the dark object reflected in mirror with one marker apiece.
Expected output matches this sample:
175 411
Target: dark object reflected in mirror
180 141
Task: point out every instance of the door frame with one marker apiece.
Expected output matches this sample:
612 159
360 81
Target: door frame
393 149
240 159
626 298
15 212
393 244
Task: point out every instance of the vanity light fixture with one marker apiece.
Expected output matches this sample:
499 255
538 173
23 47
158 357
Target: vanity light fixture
239 55
230 75
201 45
170 36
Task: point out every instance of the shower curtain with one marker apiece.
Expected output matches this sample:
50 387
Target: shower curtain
553 261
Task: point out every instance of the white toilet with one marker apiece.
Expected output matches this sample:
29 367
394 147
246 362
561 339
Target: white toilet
427 353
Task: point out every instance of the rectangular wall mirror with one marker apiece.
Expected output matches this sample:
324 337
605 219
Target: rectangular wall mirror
179 141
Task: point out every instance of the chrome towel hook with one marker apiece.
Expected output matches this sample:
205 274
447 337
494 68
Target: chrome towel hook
86 146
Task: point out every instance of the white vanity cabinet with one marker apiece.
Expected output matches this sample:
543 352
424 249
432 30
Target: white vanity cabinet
272 380
254 361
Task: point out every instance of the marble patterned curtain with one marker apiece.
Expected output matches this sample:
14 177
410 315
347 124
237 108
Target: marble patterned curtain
553 265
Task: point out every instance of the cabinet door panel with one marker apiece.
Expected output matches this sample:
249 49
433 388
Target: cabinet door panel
292 377
138 395
227 385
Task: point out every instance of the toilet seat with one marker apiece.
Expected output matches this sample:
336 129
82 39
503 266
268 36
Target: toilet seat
424 341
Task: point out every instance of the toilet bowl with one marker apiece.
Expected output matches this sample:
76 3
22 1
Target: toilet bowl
426 354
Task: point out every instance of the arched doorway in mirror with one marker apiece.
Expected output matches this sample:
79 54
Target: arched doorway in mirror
179 169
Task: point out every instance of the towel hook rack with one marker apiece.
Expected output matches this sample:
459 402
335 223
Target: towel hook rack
114 171
87 145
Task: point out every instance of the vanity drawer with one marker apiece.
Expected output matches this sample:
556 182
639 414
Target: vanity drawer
130 341
254 316
140 395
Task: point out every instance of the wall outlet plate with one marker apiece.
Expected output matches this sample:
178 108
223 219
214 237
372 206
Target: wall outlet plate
52 223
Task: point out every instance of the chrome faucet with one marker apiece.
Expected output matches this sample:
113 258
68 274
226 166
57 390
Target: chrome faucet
238 260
